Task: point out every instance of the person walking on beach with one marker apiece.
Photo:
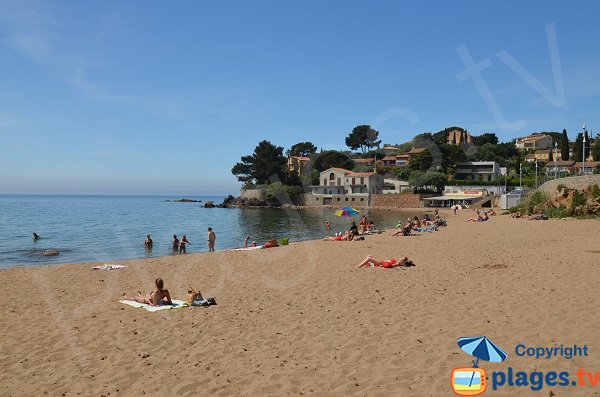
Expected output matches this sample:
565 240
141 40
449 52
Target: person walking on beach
328 226
175 243
182 244
211 240
148 242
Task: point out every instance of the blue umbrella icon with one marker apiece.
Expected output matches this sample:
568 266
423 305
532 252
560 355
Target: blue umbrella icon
483 349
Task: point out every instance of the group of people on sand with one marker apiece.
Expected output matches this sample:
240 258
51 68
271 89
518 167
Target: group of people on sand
179 245
426 224
365 226
482 216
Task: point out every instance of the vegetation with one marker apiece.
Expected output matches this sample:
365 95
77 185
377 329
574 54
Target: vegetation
428 181
363 137
483 139
596 148
564 146
332 158
531 200
305 149
267 164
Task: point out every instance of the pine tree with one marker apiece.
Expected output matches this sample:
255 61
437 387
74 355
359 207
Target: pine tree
551 156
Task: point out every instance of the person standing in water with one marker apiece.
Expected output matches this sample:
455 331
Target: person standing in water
35 237
246 240
148 242
211 240
182 244
175 244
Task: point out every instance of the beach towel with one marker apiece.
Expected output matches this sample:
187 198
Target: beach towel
108 267
177 304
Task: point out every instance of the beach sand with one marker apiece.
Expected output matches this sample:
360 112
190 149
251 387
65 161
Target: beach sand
300 320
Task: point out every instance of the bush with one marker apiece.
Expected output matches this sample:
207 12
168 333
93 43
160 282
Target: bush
532 199
560 187
578 199
595 191
559 212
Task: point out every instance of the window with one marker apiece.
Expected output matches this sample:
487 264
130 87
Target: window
338 199
317 199
489 178
354 181
362 180
332 177
339 181
346 199
361 199
325 182
352 198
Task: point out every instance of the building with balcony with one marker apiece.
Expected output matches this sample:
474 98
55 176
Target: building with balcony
297 163
534 142
486 171
340 186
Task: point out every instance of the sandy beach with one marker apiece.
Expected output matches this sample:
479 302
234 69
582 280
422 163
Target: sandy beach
300 320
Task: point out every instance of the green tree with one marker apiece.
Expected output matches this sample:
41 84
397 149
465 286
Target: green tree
551 156
578 149
305 149
421 161
564 146
587 144
363 137
332 158
427 180
266 163
404 173
451 154
482 139
426 136
596 148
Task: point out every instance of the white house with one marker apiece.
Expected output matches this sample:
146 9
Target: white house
477 170
338 182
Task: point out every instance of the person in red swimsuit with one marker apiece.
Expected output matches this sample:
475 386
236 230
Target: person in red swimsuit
370 261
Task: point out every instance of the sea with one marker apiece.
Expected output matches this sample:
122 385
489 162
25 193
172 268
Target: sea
110 228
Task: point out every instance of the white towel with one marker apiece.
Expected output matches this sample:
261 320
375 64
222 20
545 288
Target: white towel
177 304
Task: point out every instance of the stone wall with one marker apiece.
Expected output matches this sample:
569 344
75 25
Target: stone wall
257 194
398 200
572 182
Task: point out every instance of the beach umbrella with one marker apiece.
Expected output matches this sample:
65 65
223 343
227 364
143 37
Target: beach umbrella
345 212
481 348
456 207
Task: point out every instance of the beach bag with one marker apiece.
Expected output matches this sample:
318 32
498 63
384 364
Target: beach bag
204 302
193 296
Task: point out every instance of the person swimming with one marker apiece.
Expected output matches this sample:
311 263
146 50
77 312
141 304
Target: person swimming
35 237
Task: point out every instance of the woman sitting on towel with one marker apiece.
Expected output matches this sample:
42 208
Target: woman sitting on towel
159 297
369 261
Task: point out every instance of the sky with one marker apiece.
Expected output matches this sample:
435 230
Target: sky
154 97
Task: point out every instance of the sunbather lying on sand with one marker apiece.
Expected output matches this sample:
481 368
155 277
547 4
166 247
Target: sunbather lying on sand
346 237
538 216
516 215
480 218
155 298
369 261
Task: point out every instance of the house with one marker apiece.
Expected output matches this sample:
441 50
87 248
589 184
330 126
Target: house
368 162
590 166
297 163
538 155
390 149
459 137
560 167
338 186
401 160
477 170
534 142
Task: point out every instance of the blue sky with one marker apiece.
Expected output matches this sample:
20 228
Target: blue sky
149 97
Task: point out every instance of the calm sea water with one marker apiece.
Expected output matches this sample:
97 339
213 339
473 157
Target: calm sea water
108 228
